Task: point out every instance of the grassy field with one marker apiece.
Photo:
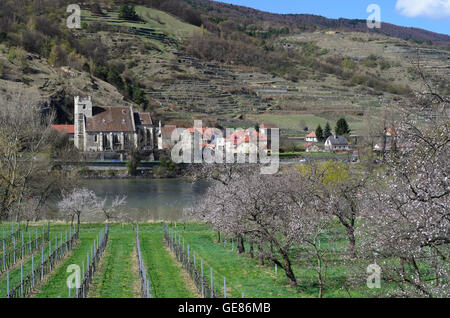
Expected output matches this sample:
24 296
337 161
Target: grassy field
117 274
164 271
244 274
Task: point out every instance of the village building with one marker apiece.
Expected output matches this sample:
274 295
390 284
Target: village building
311 137
111 129
311 147
336 143
165 136
65 129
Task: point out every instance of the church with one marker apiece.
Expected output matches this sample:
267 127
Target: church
111 129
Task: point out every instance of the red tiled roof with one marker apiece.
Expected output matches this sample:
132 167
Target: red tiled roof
311 135
241 136
68 129
109 119
308 144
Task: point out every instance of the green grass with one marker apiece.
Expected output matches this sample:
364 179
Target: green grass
15 272
164 272
56 285
116 277
245 275
169 24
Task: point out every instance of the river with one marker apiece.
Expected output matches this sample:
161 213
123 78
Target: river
147 199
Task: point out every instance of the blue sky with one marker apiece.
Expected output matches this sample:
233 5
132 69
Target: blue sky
432 15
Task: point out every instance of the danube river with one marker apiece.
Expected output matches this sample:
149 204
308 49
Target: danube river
147 199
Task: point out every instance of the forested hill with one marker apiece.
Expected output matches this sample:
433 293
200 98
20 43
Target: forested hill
218 11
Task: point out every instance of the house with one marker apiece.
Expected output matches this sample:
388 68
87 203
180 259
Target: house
336 143
311 147
65 129
165 136
111 128
311 137
245 141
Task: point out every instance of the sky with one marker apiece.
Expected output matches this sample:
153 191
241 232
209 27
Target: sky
432 15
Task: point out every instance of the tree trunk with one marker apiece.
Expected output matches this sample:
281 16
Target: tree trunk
240 244
288 268
78 223
260 255
252 254
351 241
218 236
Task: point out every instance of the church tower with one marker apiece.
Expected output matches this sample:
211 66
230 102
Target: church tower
83 109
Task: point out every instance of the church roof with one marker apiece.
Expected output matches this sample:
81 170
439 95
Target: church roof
111 119
143 119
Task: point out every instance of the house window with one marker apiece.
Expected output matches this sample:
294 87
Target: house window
95 138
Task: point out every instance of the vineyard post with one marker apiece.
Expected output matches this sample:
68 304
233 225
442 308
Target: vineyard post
29 240
21 280
243 296
224 287
32 270
212 285
56 247
69 292
7 284
49 253
276 269
42 263
4 266
36 238
201 266
22 244
14 247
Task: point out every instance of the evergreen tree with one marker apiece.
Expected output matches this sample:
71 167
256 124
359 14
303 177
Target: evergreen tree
327 132
319 133
128 13
342 127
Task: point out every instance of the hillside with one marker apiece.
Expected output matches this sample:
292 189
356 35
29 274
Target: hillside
315 72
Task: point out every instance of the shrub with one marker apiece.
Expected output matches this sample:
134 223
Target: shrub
128 13
133 162
111 173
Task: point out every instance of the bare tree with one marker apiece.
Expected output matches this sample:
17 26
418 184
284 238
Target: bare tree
24 138
111 211
336 189
406 219
256 206
78 202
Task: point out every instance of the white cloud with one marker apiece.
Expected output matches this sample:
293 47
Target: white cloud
433 9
